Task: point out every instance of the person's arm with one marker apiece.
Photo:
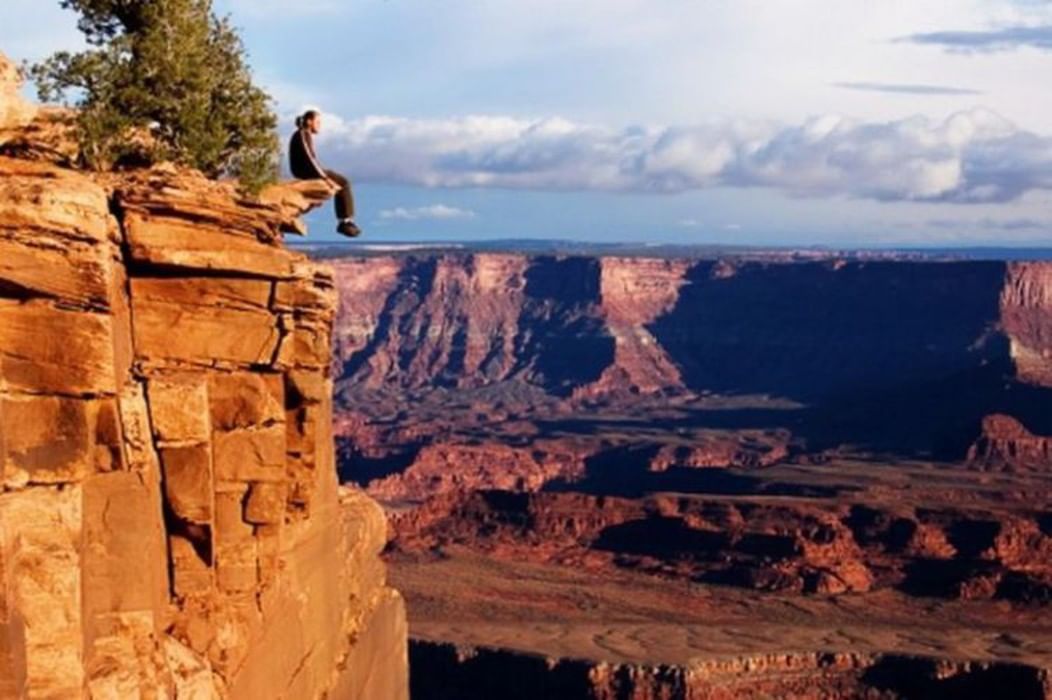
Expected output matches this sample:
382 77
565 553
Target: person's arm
308 143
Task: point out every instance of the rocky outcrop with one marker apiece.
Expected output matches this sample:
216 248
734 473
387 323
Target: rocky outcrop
438 469
470 322
634 293
1006 445
1026 310
802 546
14 111
747 449
449 673
30 131
170 519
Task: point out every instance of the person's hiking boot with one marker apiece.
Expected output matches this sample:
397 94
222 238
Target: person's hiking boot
349 228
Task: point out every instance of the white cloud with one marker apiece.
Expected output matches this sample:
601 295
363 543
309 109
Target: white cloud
432 212
972 156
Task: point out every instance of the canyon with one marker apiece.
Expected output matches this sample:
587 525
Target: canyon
590 476
171 523
749 475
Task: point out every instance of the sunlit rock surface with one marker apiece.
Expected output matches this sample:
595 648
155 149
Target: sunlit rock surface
170 520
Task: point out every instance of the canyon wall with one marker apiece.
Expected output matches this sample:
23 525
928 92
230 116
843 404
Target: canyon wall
802 330
605 413
883 354
171 525
471 321
1026 304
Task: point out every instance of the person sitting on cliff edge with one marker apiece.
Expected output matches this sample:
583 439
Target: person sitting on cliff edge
304 163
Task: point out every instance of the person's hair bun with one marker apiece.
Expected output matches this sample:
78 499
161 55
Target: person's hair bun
301 121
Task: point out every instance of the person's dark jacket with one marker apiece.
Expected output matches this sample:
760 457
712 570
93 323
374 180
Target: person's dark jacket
303 160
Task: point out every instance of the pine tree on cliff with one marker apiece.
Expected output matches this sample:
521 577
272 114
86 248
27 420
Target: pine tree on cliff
170 68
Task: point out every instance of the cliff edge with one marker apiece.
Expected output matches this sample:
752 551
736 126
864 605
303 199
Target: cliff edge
171 524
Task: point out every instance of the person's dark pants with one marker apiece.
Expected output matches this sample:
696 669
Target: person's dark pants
344 198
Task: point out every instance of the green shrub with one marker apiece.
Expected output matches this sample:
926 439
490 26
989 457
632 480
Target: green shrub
164 80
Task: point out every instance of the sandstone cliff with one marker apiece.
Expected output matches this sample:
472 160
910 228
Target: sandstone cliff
170 520
1026 307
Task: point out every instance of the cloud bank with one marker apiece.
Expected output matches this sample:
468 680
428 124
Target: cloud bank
971 157
433 212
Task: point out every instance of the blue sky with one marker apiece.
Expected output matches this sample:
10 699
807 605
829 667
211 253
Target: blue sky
833 122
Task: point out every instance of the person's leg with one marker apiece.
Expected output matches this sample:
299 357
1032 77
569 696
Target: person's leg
344 206
344 200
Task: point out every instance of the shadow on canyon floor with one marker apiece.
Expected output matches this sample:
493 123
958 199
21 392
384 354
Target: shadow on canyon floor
935 420
625 472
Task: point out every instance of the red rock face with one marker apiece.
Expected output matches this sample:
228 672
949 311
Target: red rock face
824 548
634 293
443 468
745 449
906 357
468 321
1005 445
1026 311
416 322
171 524
598 325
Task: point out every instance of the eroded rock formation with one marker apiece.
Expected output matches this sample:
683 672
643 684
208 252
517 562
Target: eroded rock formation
452 673
1006 445
1026 308
594 325
900 357
170 521
795 546
14 111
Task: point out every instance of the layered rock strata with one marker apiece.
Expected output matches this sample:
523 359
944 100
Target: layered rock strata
450 673
592 326
890 357
170 519
1006 445
1026 310
797 546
